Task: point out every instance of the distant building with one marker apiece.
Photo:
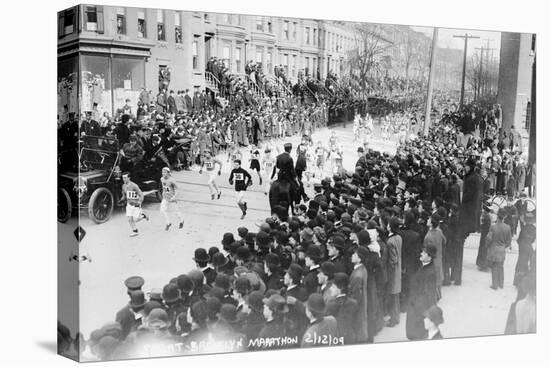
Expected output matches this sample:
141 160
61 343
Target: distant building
517 52
108 54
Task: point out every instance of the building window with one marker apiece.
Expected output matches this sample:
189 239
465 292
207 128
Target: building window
294 58
295 25
314 70
120 21
260 24
285 30
238 63
314 36
161 34
66 22
94 19
285 63
195 55
177 28
269 61
227 56
259 54
307 67
142 29
307 35
270 27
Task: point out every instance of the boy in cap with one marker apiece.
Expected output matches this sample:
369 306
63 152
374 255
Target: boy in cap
134 197
210 163
169 202
242 180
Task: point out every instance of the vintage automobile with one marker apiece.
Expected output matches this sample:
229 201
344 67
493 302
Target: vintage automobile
97 184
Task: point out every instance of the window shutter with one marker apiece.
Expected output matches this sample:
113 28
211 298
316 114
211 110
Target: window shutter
61 24
100 23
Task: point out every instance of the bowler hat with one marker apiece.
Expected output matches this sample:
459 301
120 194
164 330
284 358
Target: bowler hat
219 260
328 268
213 250
134 283
295 271
363 238
314 252
262 239
242 231
362 252
137 299
276 303
197 277
184 283
243 253
198 311
170 293
341 280
316 303
201 255
272 259
338 242
227 239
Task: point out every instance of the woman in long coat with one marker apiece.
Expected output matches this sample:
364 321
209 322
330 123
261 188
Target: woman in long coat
423 294
359 292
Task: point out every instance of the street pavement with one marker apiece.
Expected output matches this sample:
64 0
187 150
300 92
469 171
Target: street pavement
158 255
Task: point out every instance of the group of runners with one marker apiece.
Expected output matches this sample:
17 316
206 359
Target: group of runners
319 158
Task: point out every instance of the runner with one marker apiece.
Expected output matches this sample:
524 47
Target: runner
268 162
320 153
333 140
169 202
255 161
134 198
334 154
242 180
210 163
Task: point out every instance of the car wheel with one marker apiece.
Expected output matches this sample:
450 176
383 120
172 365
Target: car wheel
64 205
101 204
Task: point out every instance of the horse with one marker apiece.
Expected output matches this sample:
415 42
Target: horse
283 193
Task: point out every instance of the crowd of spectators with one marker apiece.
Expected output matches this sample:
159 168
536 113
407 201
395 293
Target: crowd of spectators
371 244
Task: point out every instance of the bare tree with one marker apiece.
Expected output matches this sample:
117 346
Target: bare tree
367 58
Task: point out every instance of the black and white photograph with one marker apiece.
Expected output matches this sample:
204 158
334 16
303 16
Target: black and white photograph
230 182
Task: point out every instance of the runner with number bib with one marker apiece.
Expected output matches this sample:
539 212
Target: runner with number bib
210 163
134 197
169 202
242 180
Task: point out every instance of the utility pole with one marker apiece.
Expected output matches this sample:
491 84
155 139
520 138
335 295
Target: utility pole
430 84
480 74
466 36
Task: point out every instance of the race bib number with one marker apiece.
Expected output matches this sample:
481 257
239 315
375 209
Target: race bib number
132 195
239 176
166 188
209 165
269 165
